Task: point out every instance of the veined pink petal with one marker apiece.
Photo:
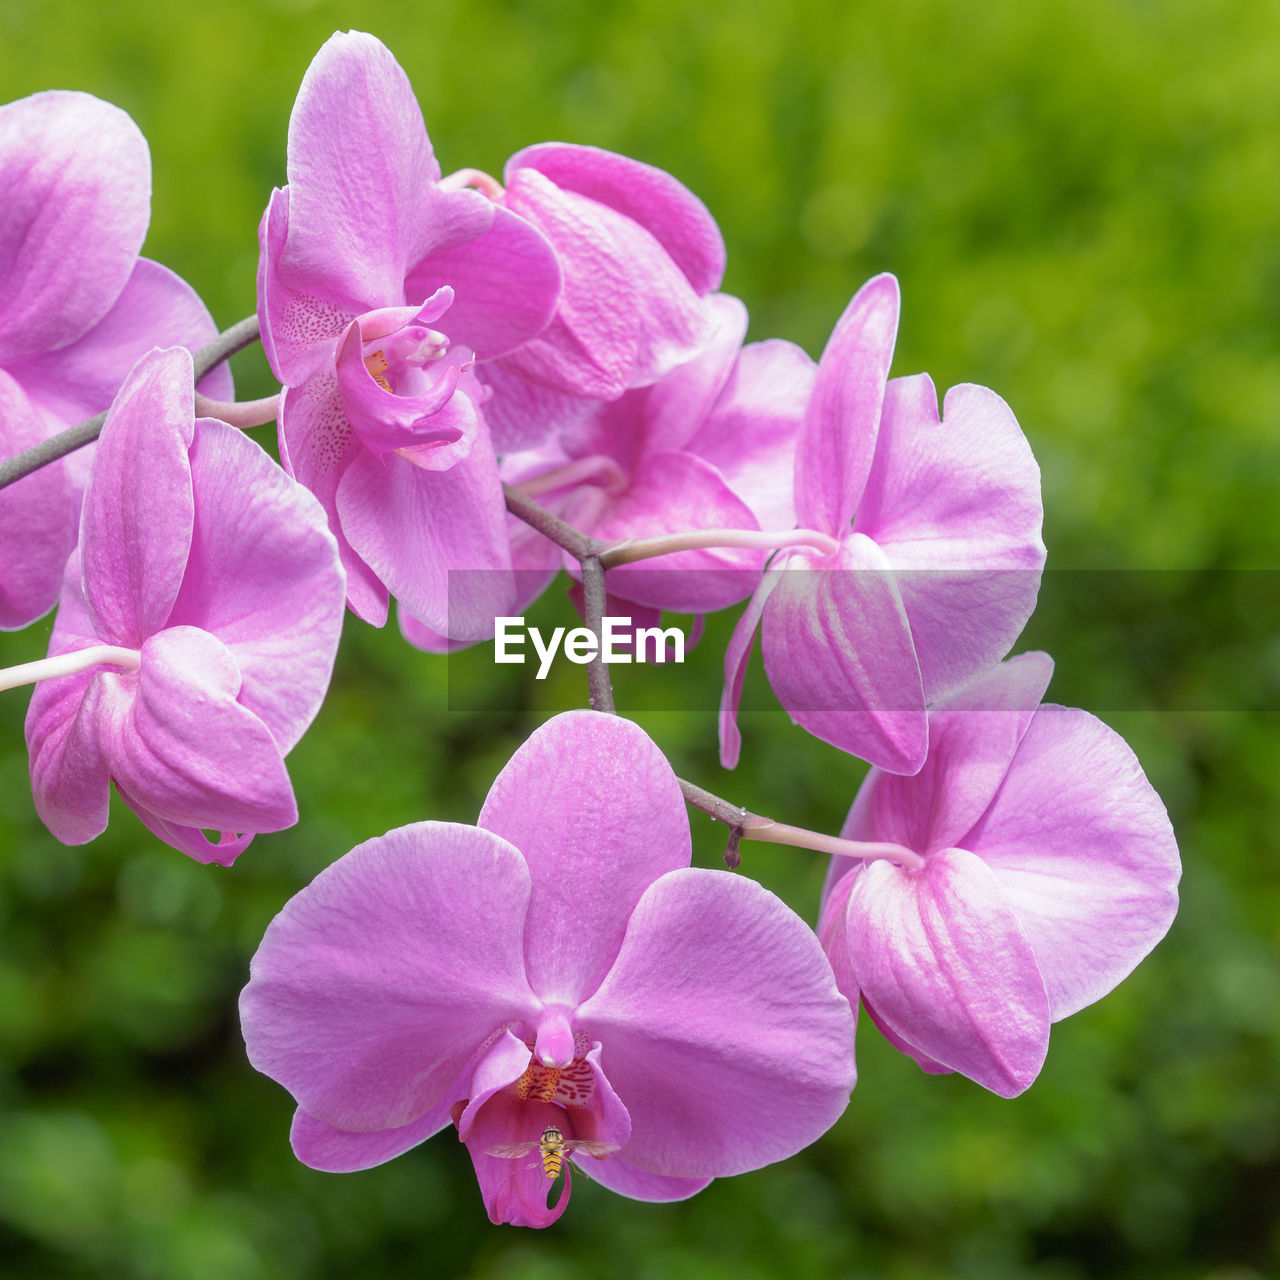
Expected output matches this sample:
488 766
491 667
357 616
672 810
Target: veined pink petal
672 214
523 414
838 439
37 516
506 283
375 985
361 179
181 746
317 445
838 652
720 1006
736 657
595 809
322 1146
972 739
941 957
263 575
1083 851
750 435
138 511
955 506
416 528
76 178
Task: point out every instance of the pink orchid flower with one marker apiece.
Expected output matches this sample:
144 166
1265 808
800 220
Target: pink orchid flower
560 966
1050 870
640 255
927 558
377 290
207 587
78 307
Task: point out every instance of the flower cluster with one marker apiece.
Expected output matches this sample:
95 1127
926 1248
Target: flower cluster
484 382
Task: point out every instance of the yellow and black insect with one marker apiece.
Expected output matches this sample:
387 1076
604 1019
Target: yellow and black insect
554 1149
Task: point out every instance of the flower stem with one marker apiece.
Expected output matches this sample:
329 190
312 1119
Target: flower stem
226 344
565 536
239 413
66 664
596 466
666 544
477 178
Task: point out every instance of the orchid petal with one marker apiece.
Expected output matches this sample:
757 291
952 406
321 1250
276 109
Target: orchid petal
263 576
586 792
1083 850
736 657
515 1189
838 439
941 957
689 1065
523 414
839 655
138 509
321 1146
76 177
955 506
625 1179
361 1012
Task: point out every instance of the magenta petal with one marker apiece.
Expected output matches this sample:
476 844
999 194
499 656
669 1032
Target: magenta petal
839 655
506 284
1083 850
364 1015
941 957
955 506
523 414
221 852
751 434
838 438
515 1189
76 178
317 446
322 1146
698 1031
263 576
639 1184
653 198
597 812
360 167
736 657
138 510
972 739
37 516
414 528
182 747
675 491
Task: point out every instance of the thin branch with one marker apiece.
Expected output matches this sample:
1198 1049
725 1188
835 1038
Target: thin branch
599 685
224 345
550 526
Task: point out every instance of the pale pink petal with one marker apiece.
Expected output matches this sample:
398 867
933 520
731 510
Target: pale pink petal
955 506
736 657
76 178
263 575
1083 851
972 739
138 510
182 747
720 1006
653 198
838 439
940 956
37 516
751 434
221 852
376 984
596 811
839 656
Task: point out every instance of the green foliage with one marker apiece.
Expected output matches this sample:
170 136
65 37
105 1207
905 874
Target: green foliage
1082 201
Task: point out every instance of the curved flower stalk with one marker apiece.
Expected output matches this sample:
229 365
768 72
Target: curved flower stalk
641 256
78 307
936 568
560 965
213 581
1050 870
377 291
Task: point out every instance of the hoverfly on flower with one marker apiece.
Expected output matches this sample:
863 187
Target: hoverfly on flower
554 1150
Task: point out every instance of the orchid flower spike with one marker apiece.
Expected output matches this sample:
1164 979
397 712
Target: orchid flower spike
935 555
78 307
559 983
378 289
198 625
1050 870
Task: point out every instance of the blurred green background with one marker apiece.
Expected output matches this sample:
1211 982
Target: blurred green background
1082 201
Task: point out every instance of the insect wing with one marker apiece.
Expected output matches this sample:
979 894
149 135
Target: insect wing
590 1148
510 1150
